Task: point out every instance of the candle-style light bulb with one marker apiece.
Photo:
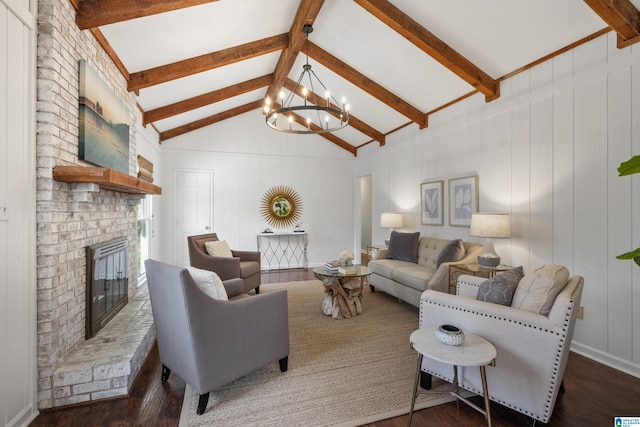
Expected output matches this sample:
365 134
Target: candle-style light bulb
308 123
327 95
343 101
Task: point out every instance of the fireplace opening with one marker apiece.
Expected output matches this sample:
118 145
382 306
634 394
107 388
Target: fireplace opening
107 283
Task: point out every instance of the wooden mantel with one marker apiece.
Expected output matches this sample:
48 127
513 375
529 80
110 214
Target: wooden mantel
106 178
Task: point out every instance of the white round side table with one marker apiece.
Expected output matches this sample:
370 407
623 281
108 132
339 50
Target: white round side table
474 351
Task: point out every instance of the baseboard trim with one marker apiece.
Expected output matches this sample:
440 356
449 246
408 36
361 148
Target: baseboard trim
600 356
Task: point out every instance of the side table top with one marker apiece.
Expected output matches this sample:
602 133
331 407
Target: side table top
474 351
475 267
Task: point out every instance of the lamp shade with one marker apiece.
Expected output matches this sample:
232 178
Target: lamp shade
493 225
391 220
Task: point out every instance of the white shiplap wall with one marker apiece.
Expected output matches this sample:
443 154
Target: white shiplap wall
18 346
247 159
547 151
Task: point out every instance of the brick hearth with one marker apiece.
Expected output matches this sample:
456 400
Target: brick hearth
106 365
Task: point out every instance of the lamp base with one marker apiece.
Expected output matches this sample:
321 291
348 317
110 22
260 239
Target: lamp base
488 262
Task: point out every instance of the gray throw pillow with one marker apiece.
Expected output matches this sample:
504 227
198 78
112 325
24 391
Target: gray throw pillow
404 246
454 251
499 289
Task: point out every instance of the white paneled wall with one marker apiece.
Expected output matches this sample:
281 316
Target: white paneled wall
547 151
247 159
18 394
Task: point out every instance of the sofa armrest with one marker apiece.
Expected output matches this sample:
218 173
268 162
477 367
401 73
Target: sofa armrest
381 254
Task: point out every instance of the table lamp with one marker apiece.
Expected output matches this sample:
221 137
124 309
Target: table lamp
390 220
492 226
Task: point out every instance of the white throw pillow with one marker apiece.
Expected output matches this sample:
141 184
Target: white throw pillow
538 290
218 248
209 282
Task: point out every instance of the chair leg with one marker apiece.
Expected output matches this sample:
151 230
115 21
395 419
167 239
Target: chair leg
257 290
165 373
284 364
562 386
202 403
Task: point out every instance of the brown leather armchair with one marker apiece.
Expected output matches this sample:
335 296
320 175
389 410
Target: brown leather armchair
243 264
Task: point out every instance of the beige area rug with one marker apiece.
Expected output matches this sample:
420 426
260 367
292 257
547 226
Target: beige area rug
345 372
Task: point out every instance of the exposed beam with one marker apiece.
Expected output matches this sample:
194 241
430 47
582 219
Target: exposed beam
94 13
102 40
171 133
209 61
354 122
365 83
425 40
622 16
206 99
306 14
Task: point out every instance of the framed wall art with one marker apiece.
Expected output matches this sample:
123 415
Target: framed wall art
431 202
463 200
103 123
281 206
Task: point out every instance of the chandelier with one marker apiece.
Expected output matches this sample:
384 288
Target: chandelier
315 113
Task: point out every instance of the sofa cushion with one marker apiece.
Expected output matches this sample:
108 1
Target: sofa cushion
404 246
218 248
412 275
209 282
454 251
538 290
500 288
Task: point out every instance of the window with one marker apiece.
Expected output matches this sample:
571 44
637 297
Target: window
144 234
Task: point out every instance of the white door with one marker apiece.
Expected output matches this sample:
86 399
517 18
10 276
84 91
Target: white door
193 207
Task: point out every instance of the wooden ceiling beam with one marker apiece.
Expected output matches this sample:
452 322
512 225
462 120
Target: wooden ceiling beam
206 99
95 13
622 16
426 41
305 15
354 122
209 61
171 133
365 83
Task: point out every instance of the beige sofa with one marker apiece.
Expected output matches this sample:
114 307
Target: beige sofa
407 280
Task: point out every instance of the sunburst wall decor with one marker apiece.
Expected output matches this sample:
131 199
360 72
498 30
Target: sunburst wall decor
281 206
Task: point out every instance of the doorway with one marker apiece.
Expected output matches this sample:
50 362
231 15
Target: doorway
366 216
193 209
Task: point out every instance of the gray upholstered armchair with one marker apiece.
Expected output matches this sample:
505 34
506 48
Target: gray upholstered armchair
243 264
532 348
209 342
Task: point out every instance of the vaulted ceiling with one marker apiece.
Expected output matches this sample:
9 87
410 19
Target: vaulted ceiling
193 63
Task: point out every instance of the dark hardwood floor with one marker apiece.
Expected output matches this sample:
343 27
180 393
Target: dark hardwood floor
594 395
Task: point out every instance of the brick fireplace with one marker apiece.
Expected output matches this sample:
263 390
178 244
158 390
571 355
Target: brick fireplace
71 217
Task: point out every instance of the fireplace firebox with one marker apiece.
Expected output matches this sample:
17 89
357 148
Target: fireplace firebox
107 283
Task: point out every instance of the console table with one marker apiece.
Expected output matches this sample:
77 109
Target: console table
283 250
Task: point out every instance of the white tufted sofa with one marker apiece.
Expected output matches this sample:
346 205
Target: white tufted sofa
532 348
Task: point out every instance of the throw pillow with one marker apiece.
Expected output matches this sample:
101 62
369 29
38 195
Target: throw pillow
538 290
454 251
404 246
218 248
209 282
500 288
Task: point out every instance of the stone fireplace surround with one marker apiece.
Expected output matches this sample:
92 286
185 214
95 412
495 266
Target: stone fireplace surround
71 217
